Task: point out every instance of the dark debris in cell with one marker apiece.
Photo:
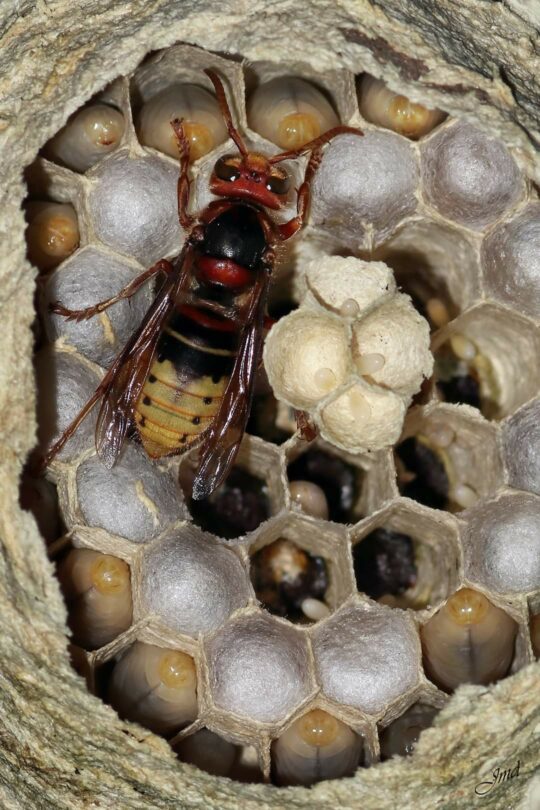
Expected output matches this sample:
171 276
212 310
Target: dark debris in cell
236 508
462 389
384 563
422 475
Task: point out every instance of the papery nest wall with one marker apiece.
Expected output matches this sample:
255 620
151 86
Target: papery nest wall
60 746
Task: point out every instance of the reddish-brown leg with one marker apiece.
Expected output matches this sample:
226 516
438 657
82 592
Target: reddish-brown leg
307 428
43 462
186 220
288 229
225 111
163 266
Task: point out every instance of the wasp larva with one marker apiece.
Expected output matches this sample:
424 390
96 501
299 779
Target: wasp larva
314 748
290 112
52 234
201 119
89 135
400 737
156 687
310 498
468 640
98 595
208 751
391 110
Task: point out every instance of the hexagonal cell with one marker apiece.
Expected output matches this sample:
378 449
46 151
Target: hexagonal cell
521 444
90 134
65 383
391 110
488 358
502 543
259 668
300 569
363 182
133 206
366 656
97 590
288 106
172 84
436 264
209 752
237 507
315 747
191 582
401 736
90 276
511 263
448 457
469 177
469 640
135 499
340 481
289 581
251 492
406 557
154 686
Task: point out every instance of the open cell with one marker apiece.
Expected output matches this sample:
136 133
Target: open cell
488 358
339 481
406 557
448 457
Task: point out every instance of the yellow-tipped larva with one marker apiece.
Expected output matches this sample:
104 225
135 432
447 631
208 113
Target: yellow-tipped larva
310 498
382 106
89 135
400 737
469 640
97 589
290 112
156 687
535 634
208 751
52 233
315 747
201 117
